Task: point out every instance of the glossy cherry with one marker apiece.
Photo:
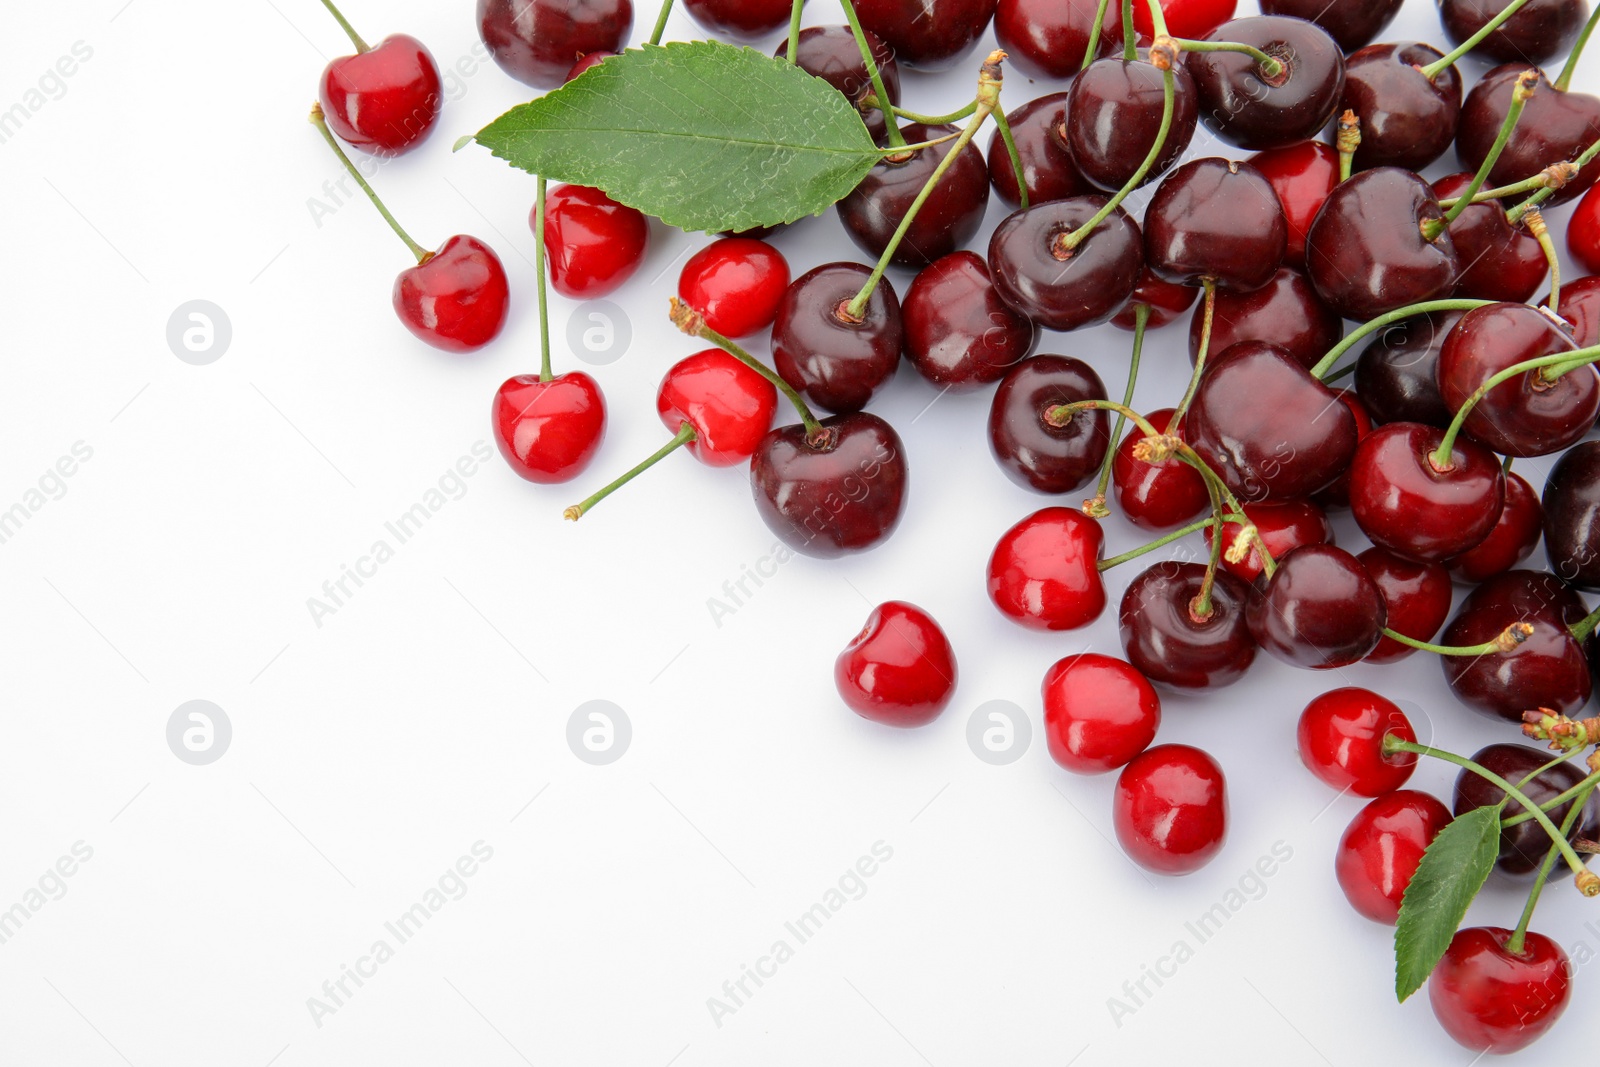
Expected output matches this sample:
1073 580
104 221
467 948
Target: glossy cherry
1320 609
1099 713
1302 175
736 283
594 243
1048 172
1114 112
1540 30
1580 307
1406 120
947 220
1049 38
1352 23
742 20
1397 372
1156 496
1032 450
549 431
1185 18
1170 643
1247 107
729 405
1043 573
384 99
831 53
899 670
843 494
1583 232
1547 670
538 41
1492 1000
1572 516
1062 288
1219 219
958 332
927 34
1416 599
825 353
1336 495
1284 527
1522 847
1380 849
457 299
1556 125
1515 534
1286 312
1407 505
1170 809
1341 736
1164 300
1499 261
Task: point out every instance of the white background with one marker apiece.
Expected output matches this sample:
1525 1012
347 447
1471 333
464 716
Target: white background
430 712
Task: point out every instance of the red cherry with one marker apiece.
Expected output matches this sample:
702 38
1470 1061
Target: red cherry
385 99
1580 306
1165 301
1405 504
1099 713
593 59
1491 1000
736 283
457 299
959 333
1170 809
1337 495
537 41
1319 610
742 20
899 670
1302 175
1513 538
594 243
1415 595
1043 573
1499 261
1583 232
729 405
1381 848
1191 19
1164 638
1156 496
1283 527
549 431
1341 741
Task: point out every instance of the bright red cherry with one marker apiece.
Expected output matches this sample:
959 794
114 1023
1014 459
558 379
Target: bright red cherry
1514 536
1580 306
383 99
736 283
1156 496
1381 848
1165 301
1406 504
549 431
899 670
1341 741
1302 175
456 299
1415 595
1493 1000
729 406
1170 809
1044 574
1190 19
538 41
594 243
1583 232
1049 38
1284 527
1099 713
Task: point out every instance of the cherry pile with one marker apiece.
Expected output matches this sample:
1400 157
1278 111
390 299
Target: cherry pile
1451 374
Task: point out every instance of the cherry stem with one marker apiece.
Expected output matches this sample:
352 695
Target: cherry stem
1527 83
1096 507
1555 801
1130 37
1565 80
321 123
693 323
793 53
896 139
1158 23
355 38
1003 124
1533 219
1434 69
1270 66
1095 31
1551 368
1585 626
871 100
1515 942
661 28
1527 185
1169 91
1161 542
1508 639
903 152
1200 606
1327 362
1348 140
544 300
1588 882
1207 315
684 436
1551 185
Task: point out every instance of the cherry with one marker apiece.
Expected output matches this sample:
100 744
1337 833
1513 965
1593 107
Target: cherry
1156 496
1065 288
1341 737
1407 120
842 494
1407 505
1283 527
1302 175
1546 670
1170 644
947 220
1525 416
958 332
537 41
1253 110
1218 219
1165 301
1337 494
1099 713
1320 609
1267 427
1039 130
456 299
1043 573
549 431
594 243
1352 23
1493 1000
899 670
1397 373
593 59
1512 539
1049 38
736 283
728 404
1540 30
385 99
1580 306
1285 312
1185 18
1416 597
1572 516
1556 125
1583 232
1499 261
1367 253
816 346
1033 451
927 35
1522 847
831 53
1114 112
1170 810
1380 850
743 20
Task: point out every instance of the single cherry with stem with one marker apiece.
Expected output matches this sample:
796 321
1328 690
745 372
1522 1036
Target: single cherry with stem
1173 646
1317 608
1156 496
1114 113
1266 82
1543 781
384 99
1419 501
1282 528
1559 125
1499 261
1341 736
1034 446
1408 118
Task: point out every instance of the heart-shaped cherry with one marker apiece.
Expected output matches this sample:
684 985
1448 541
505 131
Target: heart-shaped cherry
1572 516
1057 285
549 431
1099 713
1556 125
1114 113
1253 109
1302 175
1320 609
842 493
1516 532
1406 503
384 99
836 359
958 332
1539 31
1039 130
1499 260
1283 527
1491 999
831 53
1380 849
1407 119
899 670
1218 219
594 243
1341 734
1416 598
1156 496
1049 38
537 41
927 35
1352 23
1397 373
1033 450
1285 312
1044 571
947 219
1170 810
1164 637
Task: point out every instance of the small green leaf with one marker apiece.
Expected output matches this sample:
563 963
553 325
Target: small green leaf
1452 870
702 135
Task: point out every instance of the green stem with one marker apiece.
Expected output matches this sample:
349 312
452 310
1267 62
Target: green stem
1003 124
1161 542
1269 66
1158 22
906 149
1141 321
1515 943
693 323
1200 606
684 436
661 22
1564 82
1094 33
871 100
355 38
1130 37
1432 70
1071 241
1526 84
1509 638
1500 192
896 139
1551 368
794 31
1583 160
1585 626
1207 313
1534 220
544 300
321 123
1367 329
1555 801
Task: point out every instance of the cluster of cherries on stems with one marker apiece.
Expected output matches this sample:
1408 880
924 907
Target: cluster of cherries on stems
1458 375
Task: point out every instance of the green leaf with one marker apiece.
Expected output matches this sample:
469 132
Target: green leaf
1452 870
702 135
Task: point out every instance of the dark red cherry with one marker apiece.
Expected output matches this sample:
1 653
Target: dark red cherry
1572 516
927 34
1165 638
1525 416
1061 288
1352 23
1049 38
594 243
1493 1000
839 495
1580 306
1114 112
831 53
729 405
384 99
593 59
1511 541
1499 261
1185 18
1284 312
1415 595
1540 31
1267 427
1165 301
1522 847
1583 232
1032 451
899 670
959 333
822 352
1099 713
1548 670
458 299
538 41
1170 810
1284 527
1340 737
1336 495
1367 253
742 20
549 431
1219 219
1246 107
1407 505
1380 849
1320 609
1156 496
1406 120
947 220
1040 132
1556 125
1397 373
1043 573
1302 175
736 283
